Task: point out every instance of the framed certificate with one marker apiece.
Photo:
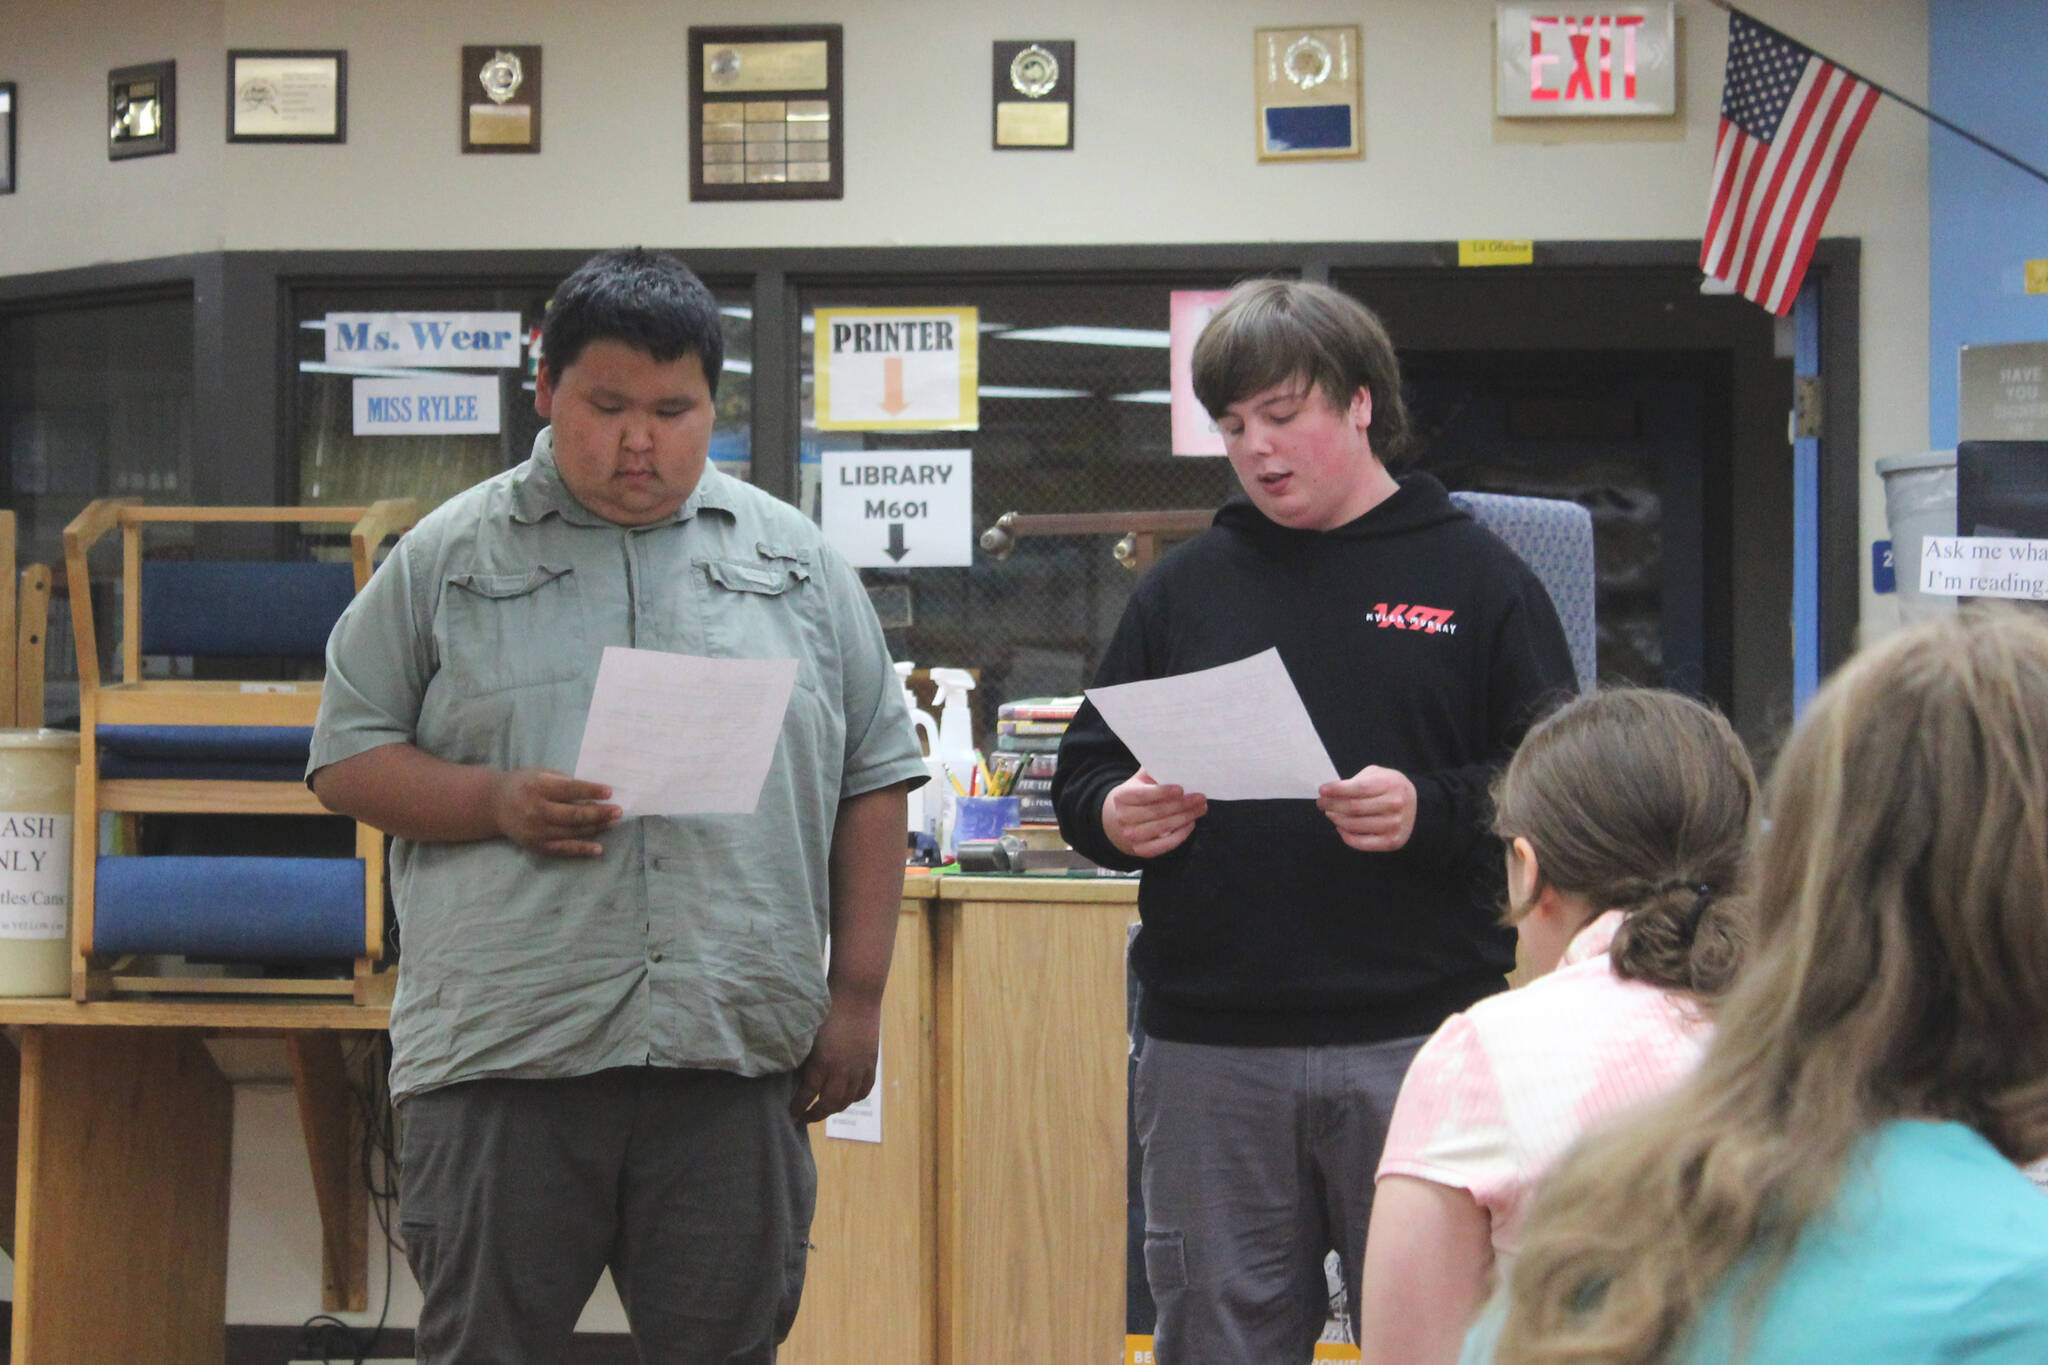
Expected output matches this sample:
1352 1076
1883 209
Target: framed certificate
142 110
766 113
7 113
287 96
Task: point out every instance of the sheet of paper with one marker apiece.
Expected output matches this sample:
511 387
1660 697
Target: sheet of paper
860 1121
1237 732
673 734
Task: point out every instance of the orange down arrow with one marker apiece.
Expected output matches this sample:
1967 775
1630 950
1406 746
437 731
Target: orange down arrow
893 401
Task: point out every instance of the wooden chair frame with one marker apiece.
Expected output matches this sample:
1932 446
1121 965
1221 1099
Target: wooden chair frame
184 701
24 633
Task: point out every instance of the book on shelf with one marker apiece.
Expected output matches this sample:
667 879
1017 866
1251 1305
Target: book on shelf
1039 708
1036 836
1038 861
1042 744
1031 727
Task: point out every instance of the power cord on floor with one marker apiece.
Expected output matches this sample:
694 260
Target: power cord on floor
323 1336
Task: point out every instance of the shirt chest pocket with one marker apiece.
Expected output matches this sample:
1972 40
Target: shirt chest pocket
501 631
765 608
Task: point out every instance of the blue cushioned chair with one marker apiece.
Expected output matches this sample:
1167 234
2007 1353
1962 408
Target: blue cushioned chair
1554 538
215 746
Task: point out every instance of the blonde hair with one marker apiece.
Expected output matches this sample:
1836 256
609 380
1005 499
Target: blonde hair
1901 910
1640 800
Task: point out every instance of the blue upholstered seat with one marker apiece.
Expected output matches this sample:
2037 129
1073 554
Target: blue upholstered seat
242 609
213 745
1555 539
240 909
250 753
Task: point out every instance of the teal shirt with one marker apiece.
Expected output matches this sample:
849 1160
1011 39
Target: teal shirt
1936 1250
694 941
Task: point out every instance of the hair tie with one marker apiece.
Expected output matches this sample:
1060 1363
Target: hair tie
1701 895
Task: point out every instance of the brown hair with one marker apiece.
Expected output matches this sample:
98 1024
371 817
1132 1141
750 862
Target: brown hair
1902 971
1273 331
1641 800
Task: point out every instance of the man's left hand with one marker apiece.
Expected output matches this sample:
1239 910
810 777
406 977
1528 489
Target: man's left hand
1374 811
841 1067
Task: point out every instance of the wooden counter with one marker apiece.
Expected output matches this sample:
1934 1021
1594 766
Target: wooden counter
870 1295
987 1224
1031 1124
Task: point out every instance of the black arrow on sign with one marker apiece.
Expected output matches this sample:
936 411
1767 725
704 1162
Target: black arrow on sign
897 549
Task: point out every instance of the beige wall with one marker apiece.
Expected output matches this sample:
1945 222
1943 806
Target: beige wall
1164 133
1163 125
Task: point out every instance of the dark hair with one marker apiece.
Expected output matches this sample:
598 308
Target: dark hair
1640 800
648 299
1271 331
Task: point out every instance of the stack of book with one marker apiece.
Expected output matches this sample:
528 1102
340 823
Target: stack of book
1031 729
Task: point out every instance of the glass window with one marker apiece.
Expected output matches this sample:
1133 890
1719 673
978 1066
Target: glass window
94 401
338 467
1073 418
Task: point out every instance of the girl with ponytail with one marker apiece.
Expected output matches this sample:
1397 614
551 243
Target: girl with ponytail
1836 1181
1626 817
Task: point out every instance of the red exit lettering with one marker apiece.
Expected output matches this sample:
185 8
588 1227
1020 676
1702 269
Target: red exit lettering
1578 35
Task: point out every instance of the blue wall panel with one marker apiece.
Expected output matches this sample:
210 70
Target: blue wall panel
1988 71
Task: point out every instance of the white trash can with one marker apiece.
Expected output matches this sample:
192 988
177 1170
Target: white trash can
38 772
1919 500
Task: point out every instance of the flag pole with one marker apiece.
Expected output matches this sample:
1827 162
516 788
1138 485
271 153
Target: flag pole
1919 109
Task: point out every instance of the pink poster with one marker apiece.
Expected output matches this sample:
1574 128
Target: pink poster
1193 432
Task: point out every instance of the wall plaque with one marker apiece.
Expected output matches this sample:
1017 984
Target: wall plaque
766 113
142 109
500 98
1308 88
1034 95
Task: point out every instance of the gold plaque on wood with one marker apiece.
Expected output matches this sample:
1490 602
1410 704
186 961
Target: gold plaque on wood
1034 94
1308 87
501 98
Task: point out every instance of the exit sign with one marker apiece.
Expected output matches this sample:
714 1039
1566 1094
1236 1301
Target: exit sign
1585 63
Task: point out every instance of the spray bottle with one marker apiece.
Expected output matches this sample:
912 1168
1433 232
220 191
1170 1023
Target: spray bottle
955 749
925 803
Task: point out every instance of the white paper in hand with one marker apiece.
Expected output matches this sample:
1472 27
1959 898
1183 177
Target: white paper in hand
673 734
1237 732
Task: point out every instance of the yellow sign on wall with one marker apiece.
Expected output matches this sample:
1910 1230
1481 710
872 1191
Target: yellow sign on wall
897 369
1496 252
1138 1351
2037 277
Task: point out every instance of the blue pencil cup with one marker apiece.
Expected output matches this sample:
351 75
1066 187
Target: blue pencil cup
984 817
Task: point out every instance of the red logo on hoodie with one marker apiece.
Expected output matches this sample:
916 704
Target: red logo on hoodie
1435 620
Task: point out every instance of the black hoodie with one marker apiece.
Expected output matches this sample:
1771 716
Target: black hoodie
1418 642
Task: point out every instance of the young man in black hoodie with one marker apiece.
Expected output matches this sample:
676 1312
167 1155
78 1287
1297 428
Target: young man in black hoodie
1295 955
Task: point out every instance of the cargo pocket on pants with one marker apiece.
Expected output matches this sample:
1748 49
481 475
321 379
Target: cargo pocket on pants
422 1250
1166 1260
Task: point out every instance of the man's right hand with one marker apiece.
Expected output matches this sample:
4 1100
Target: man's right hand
1145 818
551 812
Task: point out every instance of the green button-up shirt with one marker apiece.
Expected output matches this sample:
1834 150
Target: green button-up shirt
694 941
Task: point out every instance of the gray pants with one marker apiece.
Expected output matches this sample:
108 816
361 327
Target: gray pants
695 1187
1259 1161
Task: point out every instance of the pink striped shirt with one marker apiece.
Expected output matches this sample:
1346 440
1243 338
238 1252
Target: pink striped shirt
1504 1088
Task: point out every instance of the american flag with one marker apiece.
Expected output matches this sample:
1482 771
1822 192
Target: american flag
1789 121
